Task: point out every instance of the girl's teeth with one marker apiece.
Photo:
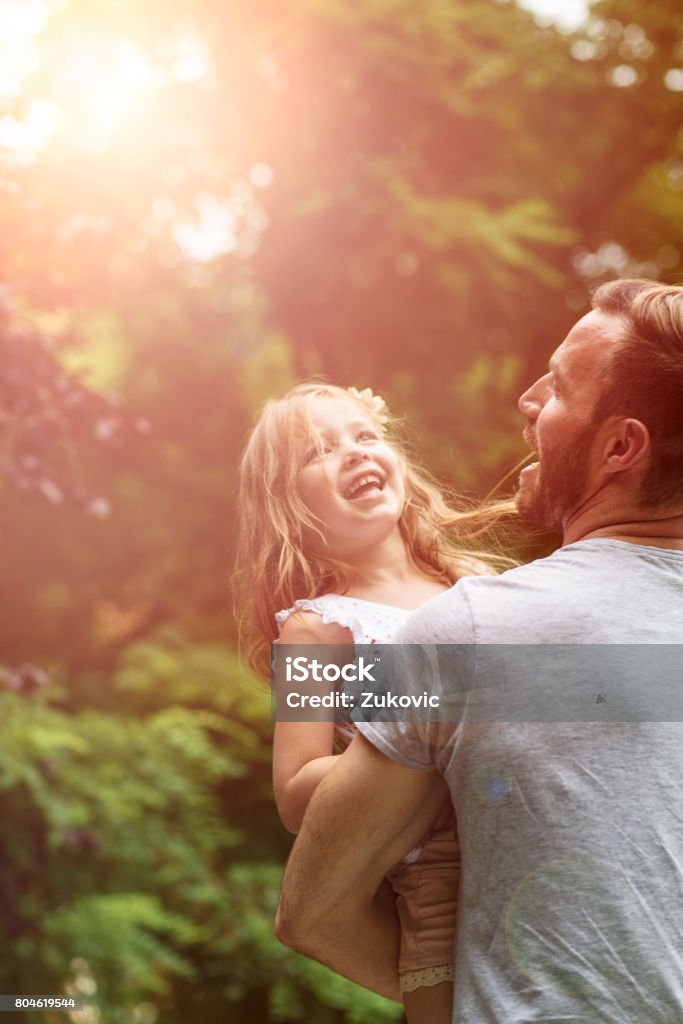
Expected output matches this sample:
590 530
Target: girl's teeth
364 484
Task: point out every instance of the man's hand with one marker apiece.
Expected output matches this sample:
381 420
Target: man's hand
364 816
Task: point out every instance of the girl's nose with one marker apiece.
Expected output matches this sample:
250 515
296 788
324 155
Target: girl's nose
354 453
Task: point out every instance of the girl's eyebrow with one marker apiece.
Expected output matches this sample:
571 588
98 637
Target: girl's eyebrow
355 425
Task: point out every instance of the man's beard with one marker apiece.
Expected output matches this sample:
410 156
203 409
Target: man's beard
559 483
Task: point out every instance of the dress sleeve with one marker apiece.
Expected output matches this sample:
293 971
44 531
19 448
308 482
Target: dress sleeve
330 611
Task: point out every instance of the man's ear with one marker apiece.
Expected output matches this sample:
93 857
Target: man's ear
627 446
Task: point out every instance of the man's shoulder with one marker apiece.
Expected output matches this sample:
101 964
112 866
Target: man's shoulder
451 617
589 591
475 604
443 619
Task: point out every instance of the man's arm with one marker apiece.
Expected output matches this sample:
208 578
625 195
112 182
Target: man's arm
364 816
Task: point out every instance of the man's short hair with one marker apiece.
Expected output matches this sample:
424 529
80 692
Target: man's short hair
644 377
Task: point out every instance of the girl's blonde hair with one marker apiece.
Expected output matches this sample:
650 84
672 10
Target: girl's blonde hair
275 562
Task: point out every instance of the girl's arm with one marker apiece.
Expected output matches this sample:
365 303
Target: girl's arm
302 751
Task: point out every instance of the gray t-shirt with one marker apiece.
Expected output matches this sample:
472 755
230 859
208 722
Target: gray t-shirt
571 901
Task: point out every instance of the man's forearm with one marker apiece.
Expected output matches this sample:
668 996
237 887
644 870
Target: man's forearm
292 803
359 940
365 815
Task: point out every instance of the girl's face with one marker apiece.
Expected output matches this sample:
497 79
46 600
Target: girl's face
351 480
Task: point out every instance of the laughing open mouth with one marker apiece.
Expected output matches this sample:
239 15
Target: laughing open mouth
363 486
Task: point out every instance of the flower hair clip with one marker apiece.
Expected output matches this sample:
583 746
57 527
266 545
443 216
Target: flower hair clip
374 403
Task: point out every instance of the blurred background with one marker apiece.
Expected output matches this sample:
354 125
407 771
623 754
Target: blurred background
201 203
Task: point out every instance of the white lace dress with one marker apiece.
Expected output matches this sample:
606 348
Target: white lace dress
368 621
424 889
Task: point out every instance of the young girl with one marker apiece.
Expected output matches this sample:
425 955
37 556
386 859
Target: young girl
341 539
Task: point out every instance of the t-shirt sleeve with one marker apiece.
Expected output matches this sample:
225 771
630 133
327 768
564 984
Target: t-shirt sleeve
441 634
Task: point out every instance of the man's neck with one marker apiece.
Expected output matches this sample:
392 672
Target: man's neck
663 531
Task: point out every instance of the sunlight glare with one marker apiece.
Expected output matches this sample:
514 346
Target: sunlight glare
187 54
213 233
23 140
98 82
233 225
567 15
107 81
20 21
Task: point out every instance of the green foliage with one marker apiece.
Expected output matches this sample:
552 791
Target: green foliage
138 861
116 836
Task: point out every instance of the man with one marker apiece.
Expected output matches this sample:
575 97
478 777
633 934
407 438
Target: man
571 899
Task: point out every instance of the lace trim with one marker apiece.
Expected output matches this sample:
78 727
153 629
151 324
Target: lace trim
329 615
368 621
425 977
